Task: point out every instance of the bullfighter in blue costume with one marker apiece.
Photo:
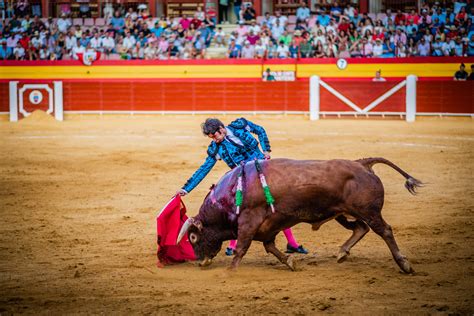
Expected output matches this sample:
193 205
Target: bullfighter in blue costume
235 144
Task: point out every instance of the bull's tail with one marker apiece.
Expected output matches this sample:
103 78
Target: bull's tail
411 183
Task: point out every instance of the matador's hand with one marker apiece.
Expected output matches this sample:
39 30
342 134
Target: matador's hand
266 154
182 192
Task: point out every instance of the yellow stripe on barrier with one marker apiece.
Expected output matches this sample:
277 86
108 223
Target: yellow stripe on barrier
224 71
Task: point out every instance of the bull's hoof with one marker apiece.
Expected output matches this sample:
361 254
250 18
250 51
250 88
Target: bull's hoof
206 262
291 263
406 267
342 256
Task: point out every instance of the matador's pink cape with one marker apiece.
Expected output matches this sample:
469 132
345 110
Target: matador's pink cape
168 225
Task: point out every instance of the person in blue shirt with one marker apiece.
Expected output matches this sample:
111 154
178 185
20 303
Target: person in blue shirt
5 51
303 13
323 18
235 144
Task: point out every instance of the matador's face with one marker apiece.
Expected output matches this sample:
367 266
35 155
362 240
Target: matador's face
219 135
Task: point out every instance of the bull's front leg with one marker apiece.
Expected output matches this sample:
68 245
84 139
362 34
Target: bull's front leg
270 247
249 222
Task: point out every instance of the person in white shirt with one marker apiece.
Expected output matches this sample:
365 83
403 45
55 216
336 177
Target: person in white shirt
77 49
95 42
282 50
283 20
19 52
349 11
71 41
260 49
63 23
255 27
150 51
377 50
277 30
44 53
248 51
128 42
219 37
108 43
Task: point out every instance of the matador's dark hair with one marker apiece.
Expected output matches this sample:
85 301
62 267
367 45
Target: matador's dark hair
211 125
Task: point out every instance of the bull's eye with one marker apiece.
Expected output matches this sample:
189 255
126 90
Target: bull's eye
193 238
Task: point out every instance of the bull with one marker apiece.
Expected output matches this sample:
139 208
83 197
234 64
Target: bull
308 191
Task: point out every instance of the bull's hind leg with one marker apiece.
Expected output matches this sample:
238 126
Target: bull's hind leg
359 229
381 228
270 247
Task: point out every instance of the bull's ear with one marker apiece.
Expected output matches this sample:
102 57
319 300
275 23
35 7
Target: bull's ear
198 224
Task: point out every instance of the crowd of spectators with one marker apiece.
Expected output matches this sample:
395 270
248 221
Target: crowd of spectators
321 32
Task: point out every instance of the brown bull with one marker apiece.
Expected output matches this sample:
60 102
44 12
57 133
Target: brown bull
305 191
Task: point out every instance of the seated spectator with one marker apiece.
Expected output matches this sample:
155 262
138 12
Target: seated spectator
306 49
63 23
219 37
285 38
234 50
470 46
260 49
293 50
336 11
117 22
271 50
343 52
378 48
303 13
252 37
77 49
424 49
400 50
267 20
248 51
19 52
461 74
277 30
282 50
108 44
5 51
399 17
254 27
199 14
281 19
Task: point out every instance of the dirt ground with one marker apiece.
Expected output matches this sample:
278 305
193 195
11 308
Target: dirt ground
78 202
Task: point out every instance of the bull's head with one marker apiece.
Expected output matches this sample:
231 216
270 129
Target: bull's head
205 241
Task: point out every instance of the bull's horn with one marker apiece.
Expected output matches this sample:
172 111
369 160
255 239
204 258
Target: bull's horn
184 229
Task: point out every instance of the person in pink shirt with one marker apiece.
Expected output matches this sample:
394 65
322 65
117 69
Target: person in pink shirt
163 44
252 37
400 37
366 49
185 22
242 29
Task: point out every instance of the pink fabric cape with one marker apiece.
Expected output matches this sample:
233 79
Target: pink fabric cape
168 225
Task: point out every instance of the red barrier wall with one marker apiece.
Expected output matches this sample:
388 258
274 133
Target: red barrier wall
187 96
439 96
445 96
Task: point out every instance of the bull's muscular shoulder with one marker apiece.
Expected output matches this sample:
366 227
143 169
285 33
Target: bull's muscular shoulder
212 149
239 123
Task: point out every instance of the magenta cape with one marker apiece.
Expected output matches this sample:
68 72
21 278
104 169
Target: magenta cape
168 224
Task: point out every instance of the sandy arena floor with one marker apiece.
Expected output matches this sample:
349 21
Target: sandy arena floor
78 202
